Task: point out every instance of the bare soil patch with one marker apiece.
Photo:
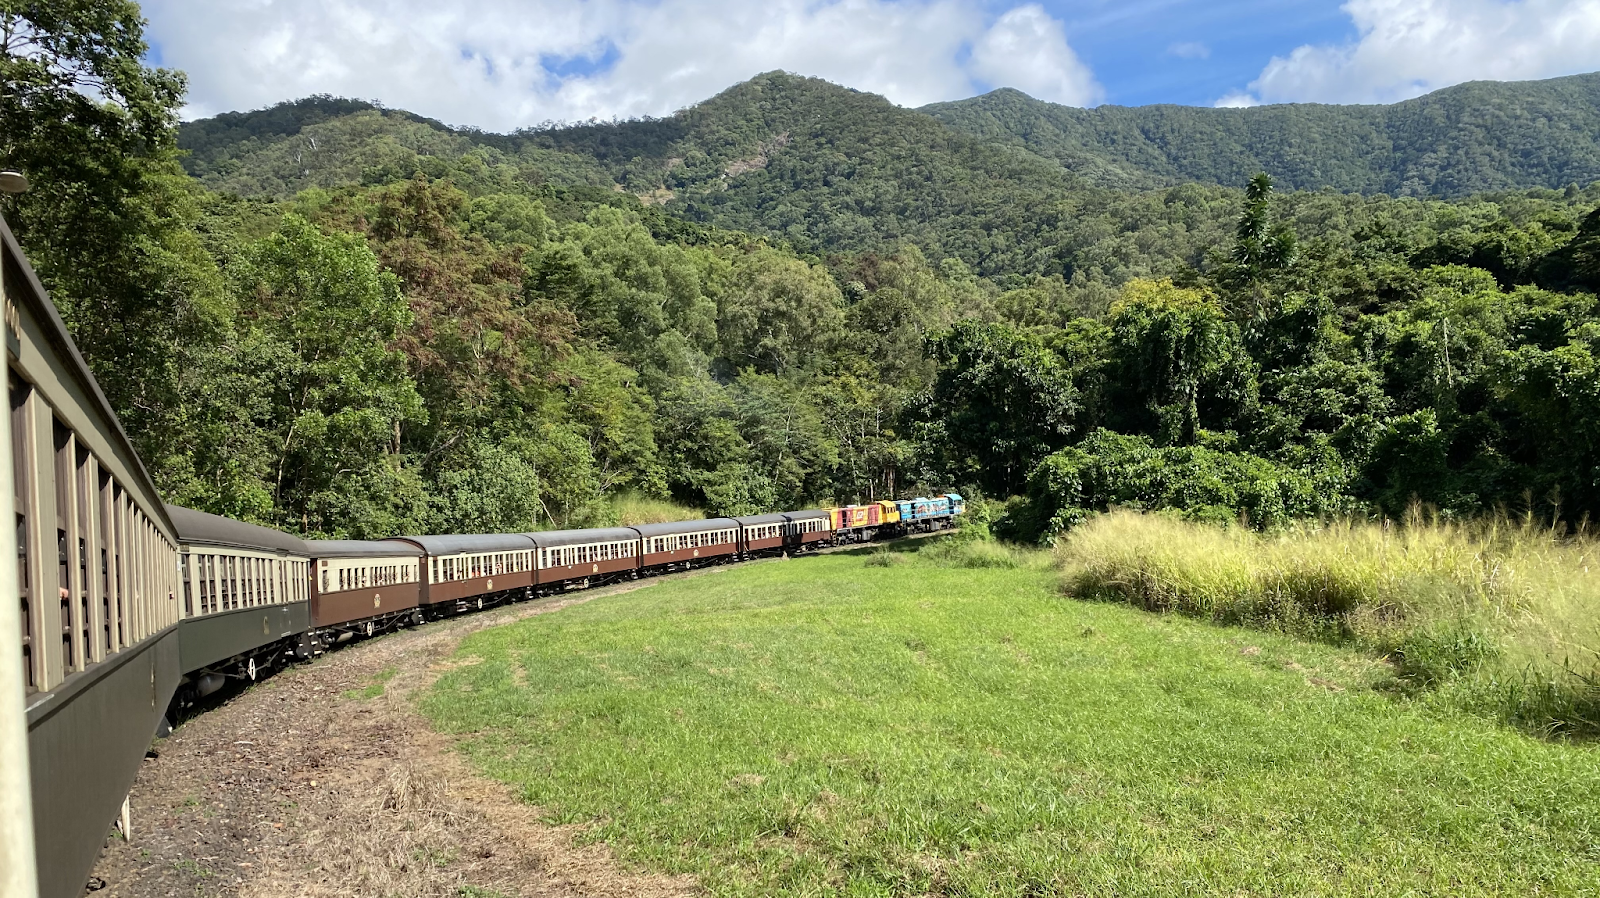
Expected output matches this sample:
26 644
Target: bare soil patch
302 786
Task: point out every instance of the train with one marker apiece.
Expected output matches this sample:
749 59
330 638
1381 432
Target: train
251 597
129 609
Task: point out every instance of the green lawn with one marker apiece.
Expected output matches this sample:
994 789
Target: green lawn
825 726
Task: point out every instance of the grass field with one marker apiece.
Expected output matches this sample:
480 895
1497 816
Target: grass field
861 725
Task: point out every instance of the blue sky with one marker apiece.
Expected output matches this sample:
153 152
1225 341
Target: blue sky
1182 51
503 64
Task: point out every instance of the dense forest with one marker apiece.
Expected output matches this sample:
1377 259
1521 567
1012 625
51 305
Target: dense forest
1461 140
352 321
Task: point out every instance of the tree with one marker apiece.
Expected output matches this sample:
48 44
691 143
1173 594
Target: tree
1576 265
1176 363
492 488
326 318
780 314
1001 402
109 220
1262 247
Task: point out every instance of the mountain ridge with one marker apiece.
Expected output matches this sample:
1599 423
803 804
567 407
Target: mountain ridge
1468 138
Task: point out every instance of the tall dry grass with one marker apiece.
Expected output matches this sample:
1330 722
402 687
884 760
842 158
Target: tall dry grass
631 508
1501 614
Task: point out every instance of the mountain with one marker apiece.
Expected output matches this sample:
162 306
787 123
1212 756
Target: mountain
1471 138
828 168
1010 186
329 142
819 165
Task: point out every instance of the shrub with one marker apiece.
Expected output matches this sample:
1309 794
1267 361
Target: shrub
1205 484
957 552
885 558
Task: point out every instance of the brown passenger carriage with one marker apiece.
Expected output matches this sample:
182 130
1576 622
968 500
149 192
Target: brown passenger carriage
688 542
363 580
808 529
763 533
566 557
474 568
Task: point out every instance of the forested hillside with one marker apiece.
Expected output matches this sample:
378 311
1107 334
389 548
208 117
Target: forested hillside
1461 140
351 321
827 169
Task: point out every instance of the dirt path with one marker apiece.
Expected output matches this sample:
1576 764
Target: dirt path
297 787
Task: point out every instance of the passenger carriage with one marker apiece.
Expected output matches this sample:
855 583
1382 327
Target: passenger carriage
582 557
688 543
364 586
812 528
245 596
473 569
93 627
763 533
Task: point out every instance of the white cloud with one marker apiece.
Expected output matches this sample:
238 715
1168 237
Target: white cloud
1190 50
1406 48
490 64
1028 50
1236 100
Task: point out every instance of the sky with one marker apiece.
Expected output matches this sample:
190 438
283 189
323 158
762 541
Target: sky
506 64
